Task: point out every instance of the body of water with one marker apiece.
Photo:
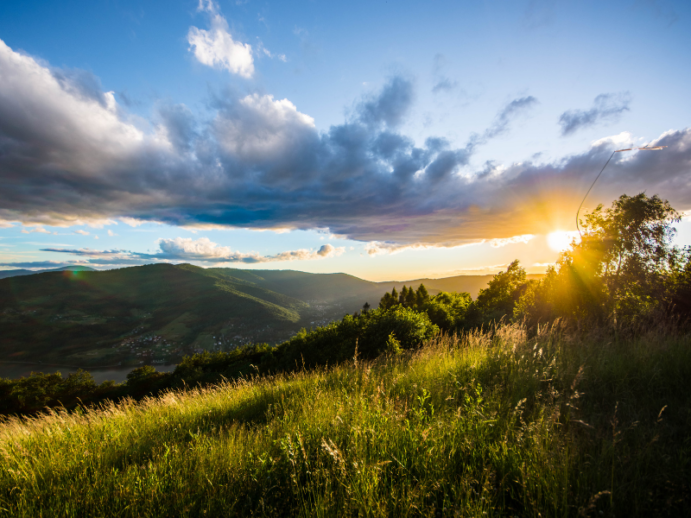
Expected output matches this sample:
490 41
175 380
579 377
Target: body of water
19 370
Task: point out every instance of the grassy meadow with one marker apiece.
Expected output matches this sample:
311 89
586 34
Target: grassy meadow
484 424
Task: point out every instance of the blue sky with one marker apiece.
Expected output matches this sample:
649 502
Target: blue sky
387 140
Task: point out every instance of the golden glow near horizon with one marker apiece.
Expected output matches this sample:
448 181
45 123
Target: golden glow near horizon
560 240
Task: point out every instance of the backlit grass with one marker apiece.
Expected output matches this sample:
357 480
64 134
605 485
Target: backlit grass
481 425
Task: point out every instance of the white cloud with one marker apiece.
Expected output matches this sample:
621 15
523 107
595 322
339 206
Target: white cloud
217 48
111 233
132 222
623 139
89 126
5 224
203 249
82 232
260 128
38 230
498 243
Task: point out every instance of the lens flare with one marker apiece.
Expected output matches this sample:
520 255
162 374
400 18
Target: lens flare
560 240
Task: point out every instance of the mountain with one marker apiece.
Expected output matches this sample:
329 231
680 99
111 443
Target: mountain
158 313
15 273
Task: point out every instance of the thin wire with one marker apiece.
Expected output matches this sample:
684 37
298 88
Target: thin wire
587 193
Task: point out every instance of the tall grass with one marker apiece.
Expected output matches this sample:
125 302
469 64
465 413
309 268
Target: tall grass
491 424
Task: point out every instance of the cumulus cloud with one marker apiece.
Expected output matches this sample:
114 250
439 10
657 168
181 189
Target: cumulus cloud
202 250
82 232
217 48
69 157
607 108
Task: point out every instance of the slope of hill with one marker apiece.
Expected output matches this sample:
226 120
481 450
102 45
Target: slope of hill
148 313
456 429
15 273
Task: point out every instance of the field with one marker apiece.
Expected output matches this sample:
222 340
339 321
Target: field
486 424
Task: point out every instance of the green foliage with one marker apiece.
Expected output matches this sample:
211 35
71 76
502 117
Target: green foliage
448 310
497 301
393 345
38 391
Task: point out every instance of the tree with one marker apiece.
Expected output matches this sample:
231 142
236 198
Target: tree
403 296
422 296
620 270
499 298
411 298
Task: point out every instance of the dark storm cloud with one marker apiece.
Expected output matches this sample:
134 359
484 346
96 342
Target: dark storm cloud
606 108
260 163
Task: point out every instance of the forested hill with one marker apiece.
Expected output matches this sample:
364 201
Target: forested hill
90 318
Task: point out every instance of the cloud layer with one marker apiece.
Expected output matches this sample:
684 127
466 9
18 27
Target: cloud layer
181 249
69 153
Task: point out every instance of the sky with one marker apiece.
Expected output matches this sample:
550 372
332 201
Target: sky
387 140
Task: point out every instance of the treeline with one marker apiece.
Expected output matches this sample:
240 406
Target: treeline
622 275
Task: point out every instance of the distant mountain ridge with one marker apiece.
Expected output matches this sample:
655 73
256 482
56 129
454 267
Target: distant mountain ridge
15 273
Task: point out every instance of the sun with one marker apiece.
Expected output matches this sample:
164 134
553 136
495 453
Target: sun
560 240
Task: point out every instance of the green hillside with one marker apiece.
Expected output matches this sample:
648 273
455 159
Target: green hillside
160 311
